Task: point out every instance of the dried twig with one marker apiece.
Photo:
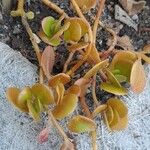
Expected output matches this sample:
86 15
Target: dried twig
54 7
100 9
68 61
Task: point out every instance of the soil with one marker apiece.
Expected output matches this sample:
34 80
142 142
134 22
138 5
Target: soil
13 33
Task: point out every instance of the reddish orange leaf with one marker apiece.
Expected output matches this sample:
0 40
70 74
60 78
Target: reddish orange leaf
47 60
137 78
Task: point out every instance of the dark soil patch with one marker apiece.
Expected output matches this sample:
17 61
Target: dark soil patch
13 33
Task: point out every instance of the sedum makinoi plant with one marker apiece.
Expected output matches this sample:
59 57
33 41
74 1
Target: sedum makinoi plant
63 93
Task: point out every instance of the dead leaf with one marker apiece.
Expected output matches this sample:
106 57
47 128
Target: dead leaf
47 60
137 78
125 42
133 7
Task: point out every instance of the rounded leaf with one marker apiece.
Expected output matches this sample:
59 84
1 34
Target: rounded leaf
84 26
80 124
43 93
115 120
109 114
48 25
66 107
47 60
60 90
112 79
146 49
122 124
138 77
74 89
47 40
30 15
119 106
73 33
12 94
94 57
59 78
123 62
121 78
34 107
23 96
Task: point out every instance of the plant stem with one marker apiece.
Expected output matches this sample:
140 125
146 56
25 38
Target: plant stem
54 7
94 91
100 10
56 125
75 67
32 39
68 61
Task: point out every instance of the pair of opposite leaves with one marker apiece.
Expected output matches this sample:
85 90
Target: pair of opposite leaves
36 99
128 64
52 30
115 113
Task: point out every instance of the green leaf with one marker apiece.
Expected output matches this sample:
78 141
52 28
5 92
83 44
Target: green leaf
46 39
121 78
34 107
48 24
43 93
80 124
123 62
113 89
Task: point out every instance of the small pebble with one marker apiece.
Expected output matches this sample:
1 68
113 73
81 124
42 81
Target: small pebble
135 18
16 29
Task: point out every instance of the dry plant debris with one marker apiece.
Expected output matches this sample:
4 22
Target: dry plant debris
133 7
124 67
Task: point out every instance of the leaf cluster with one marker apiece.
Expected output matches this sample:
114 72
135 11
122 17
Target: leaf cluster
76 32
